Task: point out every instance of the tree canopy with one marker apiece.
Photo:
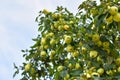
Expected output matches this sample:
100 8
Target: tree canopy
81 46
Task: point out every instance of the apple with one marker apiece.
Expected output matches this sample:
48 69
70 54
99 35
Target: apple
109 72
93 54
60 68
113 10
27 67
118 69
70 65
75 54
84 49
99 43
43 53
67 77
66 27
116 17
100 71
95 37
77 66
52 52
69 48
106 44
117 61
68 39
109 19
43 41
45 11
46 46
52 41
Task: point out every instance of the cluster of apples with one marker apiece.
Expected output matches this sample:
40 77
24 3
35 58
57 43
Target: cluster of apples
114 15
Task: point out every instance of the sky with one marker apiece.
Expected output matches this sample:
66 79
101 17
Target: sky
18 27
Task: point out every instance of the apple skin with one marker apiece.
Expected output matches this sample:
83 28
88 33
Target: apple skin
117 61
77 66
93 54
60 68
116 17
66 27
27 67
69 48
43 53
68 39
43 41
100 71
52 41
113 10
118 69
95 37
109 19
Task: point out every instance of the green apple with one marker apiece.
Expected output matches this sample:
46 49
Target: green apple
117 61
113 10
60 68
43 53
106 44
118 69
66 27
52 41
75 54
27 67
116 17
84 49
45 11
93 54
95 37
70 65
69 48
100 71
68 39
77 66
109 19
43 41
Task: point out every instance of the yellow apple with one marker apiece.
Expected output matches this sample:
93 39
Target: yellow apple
66 27
60 68
43 53
67 77
27 67
43 41
46 46
52 52
118 69
109 72
95 37
106 44
70 65
100 71
52 41
109 19
84 49
68 39
77 66
93 54
117 61
99 43
116 17
113 10
75 54
45 11
69 48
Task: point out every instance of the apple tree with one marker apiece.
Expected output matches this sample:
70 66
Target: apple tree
81 46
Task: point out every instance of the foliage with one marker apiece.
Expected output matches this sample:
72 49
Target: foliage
81 46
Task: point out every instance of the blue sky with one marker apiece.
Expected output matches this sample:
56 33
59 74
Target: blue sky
18 27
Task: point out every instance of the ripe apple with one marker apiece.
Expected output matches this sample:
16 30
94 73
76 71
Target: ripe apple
70 65
113 10
75 54
66 27
68 39
69 48
67 77
109 19
43 41
116 17
60 68
106 44
84 49
100 71
52 41
95 37
93 54
43 53
77 66
99 43
118 69
27 67
117 61
45 11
